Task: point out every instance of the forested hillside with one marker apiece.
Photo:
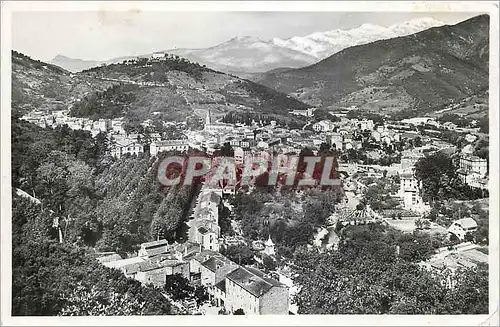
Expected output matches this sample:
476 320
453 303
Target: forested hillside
50 278
98 204
42 86
169 89
176 86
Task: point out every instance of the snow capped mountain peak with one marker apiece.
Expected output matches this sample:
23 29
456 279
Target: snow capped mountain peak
422 21
415 25
324 44
369 27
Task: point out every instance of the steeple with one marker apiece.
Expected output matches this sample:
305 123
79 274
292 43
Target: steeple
269 249
207 120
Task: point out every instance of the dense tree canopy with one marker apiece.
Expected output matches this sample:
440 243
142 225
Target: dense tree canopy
241 254
290 220
440 180
368 276
180 288
96 204
52 278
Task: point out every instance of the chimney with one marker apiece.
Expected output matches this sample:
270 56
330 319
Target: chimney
185 250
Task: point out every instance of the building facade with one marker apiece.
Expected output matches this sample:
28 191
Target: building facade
250 290
168 145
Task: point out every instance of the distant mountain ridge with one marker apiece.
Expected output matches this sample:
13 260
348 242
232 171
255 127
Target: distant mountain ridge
72 64
172 89
42 86
247 54
324 44
419 72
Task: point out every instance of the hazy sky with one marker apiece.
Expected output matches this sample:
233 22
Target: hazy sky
97 35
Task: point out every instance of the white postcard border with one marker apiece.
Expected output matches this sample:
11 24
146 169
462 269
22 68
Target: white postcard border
490 7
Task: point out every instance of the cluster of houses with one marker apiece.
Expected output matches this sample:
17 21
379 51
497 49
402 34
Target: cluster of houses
62 117
247 139
348 134
229 285
473 170
204 225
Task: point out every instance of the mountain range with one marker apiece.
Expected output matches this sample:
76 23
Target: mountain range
416 73
246 54
173 89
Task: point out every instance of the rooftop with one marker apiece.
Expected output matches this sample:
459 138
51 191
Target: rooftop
203 230
203 256
215 263
131 268
187 247
469 258
124 262
466 222
253 281
170 142
154 244
221 285
109 258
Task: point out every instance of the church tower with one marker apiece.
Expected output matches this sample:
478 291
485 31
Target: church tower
269 246
207 120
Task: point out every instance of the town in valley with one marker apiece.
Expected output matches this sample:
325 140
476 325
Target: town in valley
406 232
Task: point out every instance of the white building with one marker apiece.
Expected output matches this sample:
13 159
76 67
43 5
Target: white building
117 126
100 125
306 113
337 140
158 55
366 124
473 164
409 191
460 228
119 149
168 145
473 171
206 233
323 126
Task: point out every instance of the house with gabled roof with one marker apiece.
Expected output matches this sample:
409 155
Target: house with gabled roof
213 272
156 272
462 227
215 269
196 260
255 293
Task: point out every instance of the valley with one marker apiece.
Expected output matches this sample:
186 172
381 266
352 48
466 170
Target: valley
340 172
